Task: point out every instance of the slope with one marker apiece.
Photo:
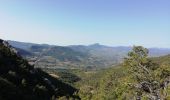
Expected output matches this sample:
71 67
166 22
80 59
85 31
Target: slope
22 81
116 83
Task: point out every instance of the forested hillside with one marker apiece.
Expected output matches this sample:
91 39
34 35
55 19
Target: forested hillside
138 78
21 81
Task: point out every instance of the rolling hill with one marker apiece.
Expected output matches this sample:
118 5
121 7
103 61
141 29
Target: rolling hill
93 56
107 84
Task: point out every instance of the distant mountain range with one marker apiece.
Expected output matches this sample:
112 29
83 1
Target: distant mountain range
77 56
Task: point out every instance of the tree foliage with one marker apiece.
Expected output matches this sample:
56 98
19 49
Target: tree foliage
145 73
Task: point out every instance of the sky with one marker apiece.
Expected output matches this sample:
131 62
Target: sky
75 22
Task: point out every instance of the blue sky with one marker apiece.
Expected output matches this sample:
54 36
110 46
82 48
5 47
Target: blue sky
67 22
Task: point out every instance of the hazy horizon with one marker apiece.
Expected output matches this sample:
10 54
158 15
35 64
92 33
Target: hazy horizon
85 22
88 44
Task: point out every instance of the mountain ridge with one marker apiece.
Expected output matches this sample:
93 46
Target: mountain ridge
80 56
14 43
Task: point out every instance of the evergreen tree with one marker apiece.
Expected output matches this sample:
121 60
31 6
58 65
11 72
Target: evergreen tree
142 69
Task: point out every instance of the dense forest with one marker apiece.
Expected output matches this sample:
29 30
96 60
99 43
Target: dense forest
137 77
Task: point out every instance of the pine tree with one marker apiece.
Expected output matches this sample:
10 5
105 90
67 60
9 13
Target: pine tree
143 72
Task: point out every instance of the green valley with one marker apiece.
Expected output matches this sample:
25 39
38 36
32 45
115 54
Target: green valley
137 76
